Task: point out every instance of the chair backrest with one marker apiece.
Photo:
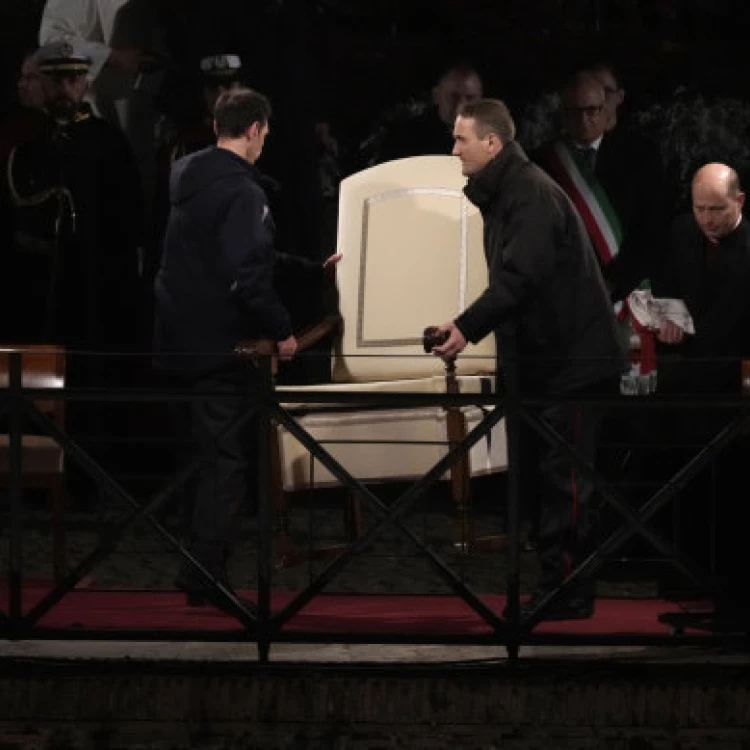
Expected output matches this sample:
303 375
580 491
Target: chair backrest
42 366
413 257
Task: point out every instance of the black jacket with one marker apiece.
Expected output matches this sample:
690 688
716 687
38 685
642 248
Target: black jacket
216 281
545 288
72 215
714 283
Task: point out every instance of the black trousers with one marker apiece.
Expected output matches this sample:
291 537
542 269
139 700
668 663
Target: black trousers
225 421
558 496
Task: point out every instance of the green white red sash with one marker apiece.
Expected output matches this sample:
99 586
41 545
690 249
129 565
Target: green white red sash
589 198
604 229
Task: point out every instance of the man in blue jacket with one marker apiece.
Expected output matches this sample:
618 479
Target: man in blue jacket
214 288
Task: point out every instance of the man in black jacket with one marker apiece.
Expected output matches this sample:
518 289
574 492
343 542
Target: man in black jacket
214 288
545 300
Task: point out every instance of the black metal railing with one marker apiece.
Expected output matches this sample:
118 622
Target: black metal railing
265 626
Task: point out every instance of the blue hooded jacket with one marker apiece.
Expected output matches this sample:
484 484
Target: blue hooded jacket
215 285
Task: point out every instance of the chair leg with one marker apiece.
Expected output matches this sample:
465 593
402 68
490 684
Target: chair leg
285 550
460 483
287 553
460 473
59 554
353 521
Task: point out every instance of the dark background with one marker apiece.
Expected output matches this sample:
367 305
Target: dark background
351 58
684 63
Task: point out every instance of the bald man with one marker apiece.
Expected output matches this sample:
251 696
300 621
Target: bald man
708 266
615 182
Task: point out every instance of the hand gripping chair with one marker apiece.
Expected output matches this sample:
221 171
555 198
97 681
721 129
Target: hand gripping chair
42 366
412 257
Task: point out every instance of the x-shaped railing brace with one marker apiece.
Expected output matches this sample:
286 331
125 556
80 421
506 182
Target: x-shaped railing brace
389 515
140 511
636 522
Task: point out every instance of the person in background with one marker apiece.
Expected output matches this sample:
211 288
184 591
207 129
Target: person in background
29 120
218 73
125 71
74 212
431 131
616 185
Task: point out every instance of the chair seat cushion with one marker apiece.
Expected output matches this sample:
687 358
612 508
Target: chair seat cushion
385 444
40 455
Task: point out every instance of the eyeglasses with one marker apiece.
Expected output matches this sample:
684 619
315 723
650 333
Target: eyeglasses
591 112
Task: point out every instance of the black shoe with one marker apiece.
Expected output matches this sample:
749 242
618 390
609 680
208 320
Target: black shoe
201 595
564 608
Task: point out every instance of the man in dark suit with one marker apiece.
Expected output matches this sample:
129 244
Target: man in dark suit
615 178
708 267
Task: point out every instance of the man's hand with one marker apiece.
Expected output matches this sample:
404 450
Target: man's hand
453 346
332 260
287 348
670 333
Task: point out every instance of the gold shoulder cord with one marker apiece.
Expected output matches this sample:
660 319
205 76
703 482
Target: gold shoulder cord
60 192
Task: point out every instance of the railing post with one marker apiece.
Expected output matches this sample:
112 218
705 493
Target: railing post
512 429
15 444
264 395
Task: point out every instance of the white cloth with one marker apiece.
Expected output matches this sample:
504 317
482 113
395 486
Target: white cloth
652 312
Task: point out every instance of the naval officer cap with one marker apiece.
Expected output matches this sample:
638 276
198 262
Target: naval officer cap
221 66
63 58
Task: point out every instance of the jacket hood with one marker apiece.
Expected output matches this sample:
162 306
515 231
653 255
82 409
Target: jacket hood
204 169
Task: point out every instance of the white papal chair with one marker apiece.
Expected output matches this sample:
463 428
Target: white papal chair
412 257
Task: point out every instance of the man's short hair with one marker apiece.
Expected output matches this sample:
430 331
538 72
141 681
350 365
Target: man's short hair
491 116
237 109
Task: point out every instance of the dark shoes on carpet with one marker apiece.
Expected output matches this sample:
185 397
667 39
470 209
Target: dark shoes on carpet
201 595
566 607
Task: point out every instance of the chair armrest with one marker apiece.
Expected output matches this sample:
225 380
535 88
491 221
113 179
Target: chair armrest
312 334
255 348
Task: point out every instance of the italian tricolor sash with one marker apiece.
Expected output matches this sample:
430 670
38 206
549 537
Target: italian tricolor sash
605 231
589 198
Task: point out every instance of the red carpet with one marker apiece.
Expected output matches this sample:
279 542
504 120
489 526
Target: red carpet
94 609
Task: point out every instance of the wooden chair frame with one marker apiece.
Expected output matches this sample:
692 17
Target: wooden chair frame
42 366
